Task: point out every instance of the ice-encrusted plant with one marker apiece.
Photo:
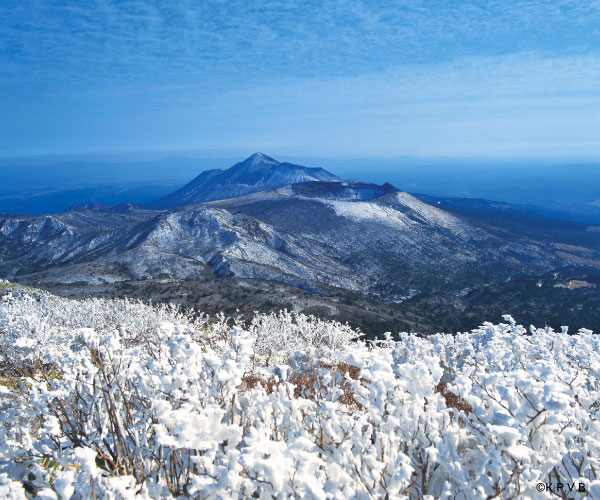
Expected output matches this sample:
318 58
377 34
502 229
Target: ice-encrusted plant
290 406
32 322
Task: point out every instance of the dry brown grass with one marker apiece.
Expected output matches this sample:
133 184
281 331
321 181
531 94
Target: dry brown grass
452 400
251 381
309 383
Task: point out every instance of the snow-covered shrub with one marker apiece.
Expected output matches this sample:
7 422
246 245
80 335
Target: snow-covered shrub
285 336
32 322
292 407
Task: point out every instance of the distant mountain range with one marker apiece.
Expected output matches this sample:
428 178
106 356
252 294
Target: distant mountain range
301 227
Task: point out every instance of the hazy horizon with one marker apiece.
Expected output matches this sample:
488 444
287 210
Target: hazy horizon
241 154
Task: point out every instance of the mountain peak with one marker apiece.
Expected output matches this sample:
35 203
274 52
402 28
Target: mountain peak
258 172
260 159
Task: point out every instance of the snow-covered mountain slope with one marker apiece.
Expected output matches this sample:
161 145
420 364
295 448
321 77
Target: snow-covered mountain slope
385 235
351 235
29 244
256 173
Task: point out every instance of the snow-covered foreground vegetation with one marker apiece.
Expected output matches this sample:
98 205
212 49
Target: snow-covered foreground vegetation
114 399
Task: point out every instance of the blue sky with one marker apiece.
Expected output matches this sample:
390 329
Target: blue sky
325 78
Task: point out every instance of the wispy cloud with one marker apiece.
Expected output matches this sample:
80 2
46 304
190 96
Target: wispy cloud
107 42
204 73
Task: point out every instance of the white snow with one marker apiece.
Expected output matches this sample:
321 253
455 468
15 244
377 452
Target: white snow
366 210
397 212
116 399
429 212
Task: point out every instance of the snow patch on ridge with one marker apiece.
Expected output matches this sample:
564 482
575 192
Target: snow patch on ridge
402 210
428 212
365 210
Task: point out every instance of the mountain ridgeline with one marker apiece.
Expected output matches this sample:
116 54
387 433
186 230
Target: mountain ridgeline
266 235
